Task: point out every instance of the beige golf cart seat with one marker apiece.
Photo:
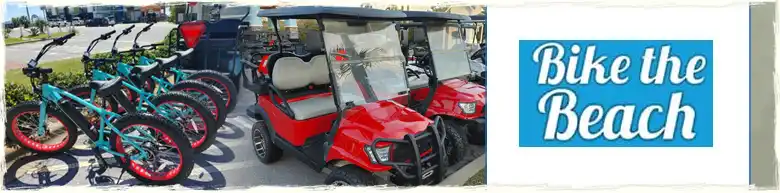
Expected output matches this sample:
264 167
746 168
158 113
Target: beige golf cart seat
292 73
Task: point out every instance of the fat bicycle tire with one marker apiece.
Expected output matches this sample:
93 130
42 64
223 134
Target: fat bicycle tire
214 98
13 132
222 82
167 129
198 145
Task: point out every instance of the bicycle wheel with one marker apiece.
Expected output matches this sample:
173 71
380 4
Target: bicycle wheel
149 86
206 94
166 144
22 126
84 92
192 116
223 84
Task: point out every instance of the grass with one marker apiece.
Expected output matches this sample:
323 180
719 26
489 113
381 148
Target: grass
15 40
477 179
66 65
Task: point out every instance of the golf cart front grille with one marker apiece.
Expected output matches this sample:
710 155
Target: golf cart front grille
418 159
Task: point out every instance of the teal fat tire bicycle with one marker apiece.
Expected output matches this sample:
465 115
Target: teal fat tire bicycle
211 95
199 127
156 138
224 85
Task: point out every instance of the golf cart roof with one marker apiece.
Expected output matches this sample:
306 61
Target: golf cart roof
312 12
427 15
478 17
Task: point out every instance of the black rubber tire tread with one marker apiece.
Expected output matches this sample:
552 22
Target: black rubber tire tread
209 91
200 108
352 175
272 152
456 139
231 86
70 128
173 131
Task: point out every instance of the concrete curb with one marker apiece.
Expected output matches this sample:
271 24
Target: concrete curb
462 176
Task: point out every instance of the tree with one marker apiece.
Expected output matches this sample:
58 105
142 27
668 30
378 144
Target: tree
439 8
38 26
6 32
393 7
366 5
21 22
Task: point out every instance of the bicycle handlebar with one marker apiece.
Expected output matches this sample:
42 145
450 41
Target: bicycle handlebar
63 39
105 36
145 29
56 42
124 32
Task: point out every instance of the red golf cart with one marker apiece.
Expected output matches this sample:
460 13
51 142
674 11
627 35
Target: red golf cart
439 72
335 109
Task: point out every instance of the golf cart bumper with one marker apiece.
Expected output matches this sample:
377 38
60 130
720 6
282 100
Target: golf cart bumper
417 159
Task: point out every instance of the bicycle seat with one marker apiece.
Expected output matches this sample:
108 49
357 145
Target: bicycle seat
167 62
146 71
107 87
184 53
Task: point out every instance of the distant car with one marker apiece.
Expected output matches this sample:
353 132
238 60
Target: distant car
55 23
77 21
97 22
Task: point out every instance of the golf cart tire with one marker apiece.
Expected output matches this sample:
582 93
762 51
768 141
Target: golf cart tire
456 139
352 175
272 152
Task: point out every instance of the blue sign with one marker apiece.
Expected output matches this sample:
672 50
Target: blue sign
616 93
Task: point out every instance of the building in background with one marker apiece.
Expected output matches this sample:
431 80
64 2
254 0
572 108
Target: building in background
118 13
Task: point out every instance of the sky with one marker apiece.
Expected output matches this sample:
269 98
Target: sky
16 9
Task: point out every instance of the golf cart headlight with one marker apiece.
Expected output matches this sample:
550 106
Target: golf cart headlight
383 152
468 108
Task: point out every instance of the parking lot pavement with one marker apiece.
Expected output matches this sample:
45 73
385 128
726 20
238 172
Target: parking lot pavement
230 163
18 55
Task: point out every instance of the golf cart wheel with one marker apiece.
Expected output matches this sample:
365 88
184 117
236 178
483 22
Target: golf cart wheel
350 175
264 148
455 142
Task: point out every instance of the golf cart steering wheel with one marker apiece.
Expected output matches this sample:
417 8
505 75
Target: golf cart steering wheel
425 64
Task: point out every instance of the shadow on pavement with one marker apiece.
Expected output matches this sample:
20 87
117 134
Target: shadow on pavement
226 156
224 131
39 170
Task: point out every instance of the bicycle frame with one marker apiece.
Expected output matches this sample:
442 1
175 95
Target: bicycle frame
56 95
179 75
143 95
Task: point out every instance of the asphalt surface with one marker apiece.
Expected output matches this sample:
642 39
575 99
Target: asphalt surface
18 55
229 164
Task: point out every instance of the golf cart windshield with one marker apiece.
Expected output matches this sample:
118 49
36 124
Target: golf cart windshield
366 60
448 50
